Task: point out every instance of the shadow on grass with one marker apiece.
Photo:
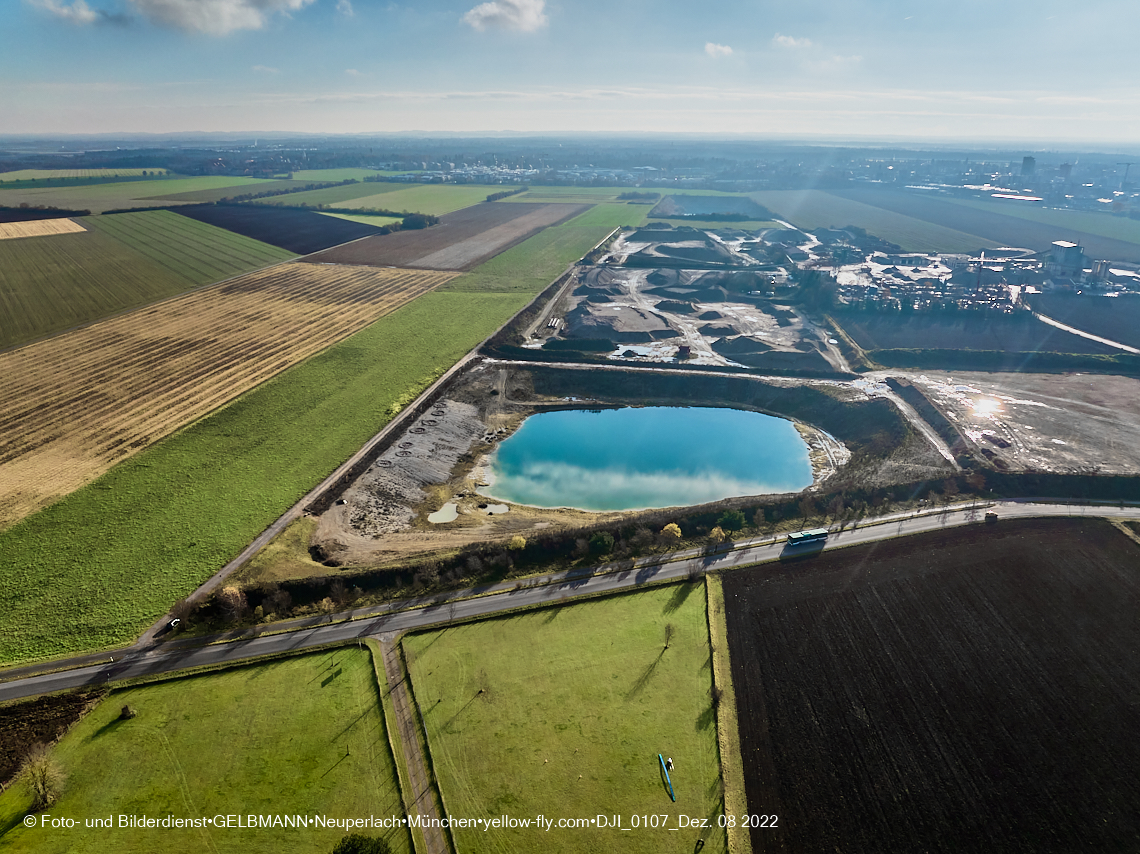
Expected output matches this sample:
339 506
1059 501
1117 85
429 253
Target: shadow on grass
11 824
334 765
331 677
455 717
706 719
644 678
107 728
681 593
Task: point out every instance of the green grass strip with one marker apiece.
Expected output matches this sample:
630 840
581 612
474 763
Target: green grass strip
727 731
94 569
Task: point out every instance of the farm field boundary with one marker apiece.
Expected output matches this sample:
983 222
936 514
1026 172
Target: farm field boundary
578 722
113 196
1115 318
298 231
811 209
990 223
81 402
460 241
320 751
98 566
907 665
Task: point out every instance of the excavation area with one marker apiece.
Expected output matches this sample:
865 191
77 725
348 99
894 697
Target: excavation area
1066 424
929 692
514 448
699 316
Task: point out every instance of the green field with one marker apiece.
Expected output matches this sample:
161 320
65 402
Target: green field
52 283
336 196
199 252
612 215
714 225
94 569
235 742
41 174
122 261
219 193
366 219
436 199
1088 222
817 209
128 194
588 195
573 727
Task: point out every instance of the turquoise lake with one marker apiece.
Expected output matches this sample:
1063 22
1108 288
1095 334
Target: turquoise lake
638 458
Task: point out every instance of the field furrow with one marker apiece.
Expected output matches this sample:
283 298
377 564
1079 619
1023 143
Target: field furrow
80 402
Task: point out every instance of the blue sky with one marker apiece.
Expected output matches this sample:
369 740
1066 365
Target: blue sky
1042 71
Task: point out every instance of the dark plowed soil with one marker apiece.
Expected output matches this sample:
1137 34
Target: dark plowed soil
43 719
462 239
969 690
298 231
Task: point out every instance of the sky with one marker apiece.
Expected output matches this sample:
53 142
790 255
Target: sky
1042 71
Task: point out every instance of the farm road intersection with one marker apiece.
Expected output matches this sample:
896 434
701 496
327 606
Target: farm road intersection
483 602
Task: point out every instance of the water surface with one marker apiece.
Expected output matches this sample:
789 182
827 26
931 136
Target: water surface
637 458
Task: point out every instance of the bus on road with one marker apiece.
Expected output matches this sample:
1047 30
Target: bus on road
815 535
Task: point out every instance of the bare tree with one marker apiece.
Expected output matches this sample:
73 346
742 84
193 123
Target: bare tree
233 603
670 630
42 777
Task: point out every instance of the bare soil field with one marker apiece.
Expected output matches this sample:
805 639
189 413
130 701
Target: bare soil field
42 720
1021 333
38 228
968 690
1070 423
1114 318
74 405
461 241
302 232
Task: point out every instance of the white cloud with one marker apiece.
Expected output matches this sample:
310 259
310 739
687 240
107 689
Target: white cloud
352 72
715 50
266 69
526 16
215 17
345 8
790 41
77 13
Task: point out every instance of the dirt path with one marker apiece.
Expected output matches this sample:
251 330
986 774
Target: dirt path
425 799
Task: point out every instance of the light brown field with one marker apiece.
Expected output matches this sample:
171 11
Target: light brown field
74 405
38 228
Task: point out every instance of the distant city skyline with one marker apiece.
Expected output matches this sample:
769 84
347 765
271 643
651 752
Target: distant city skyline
1015 71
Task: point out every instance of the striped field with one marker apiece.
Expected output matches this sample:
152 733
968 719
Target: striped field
76 404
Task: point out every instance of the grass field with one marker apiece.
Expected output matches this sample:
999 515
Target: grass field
92 570
219 193
611 215
365 219
122 261
76 404
322 750
1066 221
41 174
713 225
817 209
964 690
336 196
129 194
573 727
200 253
436 199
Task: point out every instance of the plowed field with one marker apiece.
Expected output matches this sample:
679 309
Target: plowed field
966 690
461 240
74 405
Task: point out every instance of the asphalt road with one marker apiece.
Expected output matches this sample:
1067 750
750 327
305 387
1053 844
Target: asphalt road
549 590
